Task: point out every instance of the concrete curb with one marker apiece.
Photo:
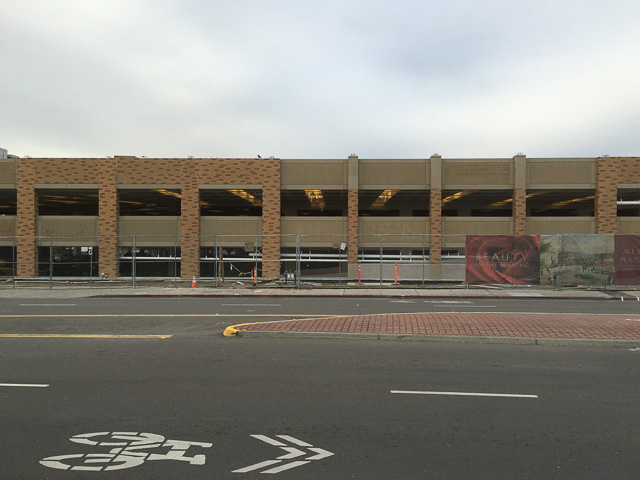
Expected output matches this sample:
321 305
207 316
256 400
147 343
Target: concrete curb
407 296
553 342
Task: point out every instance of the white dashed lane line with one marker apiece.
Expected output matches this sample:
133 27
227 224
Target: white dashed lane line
25 385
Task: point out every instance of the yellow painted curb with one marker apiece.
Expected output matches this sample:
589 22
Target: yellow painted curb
232 331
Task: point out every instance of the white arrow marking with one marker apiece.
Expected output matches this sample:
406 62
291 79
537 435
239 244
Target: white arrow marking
270 441
321 454
293 453
256 466
286 466
295 441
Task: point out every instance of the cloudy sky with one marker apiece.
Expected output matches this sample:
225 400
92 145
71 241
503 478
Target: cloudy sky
320 79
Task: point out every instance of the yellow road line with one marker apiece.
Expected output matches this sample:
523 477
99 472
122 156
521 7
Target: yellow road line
60 335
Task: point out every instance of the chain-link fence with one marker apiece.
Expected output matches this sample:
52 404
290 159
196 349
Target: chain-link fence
222 260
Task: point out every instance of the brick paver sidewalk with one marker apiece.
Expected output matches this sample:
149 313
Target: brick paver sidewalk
522 325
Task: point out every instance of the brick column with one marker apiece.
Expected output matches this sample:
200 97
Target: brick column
353 184
27 214
190 219
606 192
519 205
109 210
435 218
271 219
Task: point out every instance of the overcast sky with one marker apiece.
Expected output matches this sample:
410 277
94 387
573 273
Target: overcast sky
320 79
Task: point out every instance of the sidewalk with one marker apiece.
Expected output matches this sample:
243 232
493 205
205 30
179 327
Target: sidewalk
619 330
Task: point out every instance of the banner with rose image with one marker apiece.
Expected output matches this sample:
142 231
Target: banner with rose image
503 259
627 259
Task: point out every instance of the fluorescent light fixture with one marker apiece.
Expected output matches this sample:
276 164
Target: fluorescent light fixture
248 197
456 196
384 198
573 200
167 192
316 198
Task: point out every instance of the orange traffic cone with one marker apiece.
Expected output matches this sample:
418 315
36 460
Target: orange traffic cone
193 282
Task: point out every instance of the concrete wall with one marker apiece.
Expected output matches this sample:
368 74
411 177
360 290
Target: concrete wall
629 225
153 231
72 229
558 225
247 227
7 229
8 173
383 174
544 173
477 225
305 174
477 173
324 232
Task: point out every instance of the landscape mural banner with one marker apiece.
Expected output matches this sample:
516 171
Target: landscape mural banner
627 259
571 260
503 259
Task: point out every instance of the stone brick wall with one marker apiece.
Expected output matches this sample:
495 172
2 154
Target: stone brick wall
270 218
135 170
66 170
27 213
611 171
252 171
352 225
519 211
190 219
435 220
108 210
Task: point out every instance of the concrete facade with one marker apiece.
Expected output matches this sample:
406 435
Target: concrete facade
453 192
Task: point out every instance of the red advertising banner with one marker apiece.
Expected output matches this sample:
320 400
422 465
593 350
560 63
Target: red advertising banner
627 259
503 259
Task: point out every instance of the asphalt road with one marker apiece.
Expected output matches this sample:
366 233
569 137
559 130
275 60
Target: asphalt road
193 316
571 412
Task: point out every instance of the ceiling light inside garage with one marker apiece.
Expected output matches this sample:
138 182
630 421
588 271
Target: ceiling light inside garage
247 196
384 198
316 198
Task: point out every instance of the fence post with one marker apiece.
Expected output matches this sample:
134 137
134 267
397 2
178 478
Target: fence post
423 260
13 263
381 252
133 261
298 269
340 265
91 263
215 258
50 263
175 261
255 258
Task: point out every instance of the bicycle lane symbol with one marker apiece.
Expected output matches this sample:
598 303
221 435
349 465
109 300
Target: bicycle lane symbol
129 449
